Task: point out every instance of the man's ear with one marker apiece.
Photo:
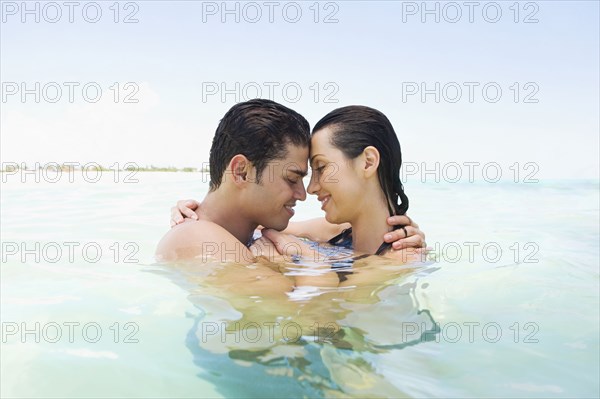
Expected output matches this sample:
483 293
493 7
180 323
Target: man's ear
239 168
371 159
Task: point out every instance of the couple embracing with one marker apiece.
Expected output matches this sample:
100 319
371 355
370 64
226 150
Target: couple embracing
259 156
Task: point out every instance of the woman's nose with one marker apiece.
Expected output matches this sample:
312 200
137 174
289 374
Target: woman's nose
313 185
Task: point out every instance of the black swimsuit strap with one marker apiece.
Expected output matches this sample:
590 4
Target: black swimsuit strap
347 234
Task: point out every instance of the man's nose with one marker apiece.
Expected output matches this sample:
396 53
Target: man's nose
300 192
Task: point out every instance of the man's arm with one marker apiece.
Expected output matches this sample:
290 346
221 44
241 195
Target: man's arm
321 230
203 241
318 229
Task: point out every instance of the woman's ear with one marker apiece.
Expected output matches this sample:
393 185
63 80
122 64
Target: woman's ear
239 168
371 160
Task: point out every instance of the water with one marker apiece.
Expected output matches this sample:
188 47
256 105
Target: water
509 307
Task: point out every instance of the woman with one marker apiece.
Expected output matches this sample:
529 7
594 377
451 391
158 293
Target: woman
355 158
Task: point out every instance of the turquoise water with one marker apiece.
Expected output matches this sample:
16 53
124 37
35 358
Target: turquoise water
507 305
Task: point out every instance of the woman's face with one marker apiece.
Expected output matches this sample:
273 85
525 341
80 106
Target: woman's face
335 179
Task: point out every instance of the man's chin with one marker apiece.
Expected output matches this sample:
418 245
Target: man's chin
277 225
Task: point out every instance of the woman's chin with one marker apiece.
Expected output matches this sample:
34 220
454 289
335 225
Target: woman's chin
331 218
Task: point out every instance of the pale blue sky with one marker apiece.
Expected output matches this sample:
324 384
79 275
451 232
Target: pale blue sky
366 56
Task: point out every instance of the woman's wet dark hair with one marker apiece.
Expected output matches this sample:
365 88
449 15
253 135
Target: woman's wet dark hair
356 127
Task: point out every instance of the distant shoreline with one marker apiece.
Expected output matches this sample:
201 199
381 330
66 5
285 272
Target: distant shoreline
130 166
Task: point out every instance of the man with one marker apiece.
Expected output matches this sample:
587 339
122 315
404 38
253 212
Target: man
258 158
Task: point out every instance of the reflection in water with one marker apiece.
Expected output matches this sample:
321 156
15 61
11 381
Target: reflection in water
252 339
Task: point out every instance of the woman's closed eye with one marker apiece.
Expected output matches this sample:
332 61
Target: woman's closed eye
319 169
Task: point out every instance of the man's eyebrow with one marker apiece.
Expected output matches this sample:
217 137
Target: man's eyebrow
300 173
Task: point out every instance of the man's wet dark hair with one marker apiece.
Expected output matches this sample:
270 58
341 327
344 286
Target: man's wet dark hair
258 129
356 127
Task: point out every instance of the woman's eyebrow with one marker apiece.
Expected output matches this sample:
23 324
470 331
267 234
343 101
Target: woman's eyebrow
313 157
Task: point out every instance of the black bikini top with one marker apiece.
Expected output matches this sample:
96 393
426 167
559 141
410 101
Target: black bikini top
344 239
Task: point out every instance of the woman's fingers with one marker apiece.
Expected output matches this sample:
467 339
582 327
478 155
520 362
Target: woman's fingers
401 220
176 216
184 209
407 237
187 208
415 241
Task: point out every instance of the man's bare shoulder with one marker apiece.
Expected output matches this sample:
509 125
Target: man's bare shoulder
201 240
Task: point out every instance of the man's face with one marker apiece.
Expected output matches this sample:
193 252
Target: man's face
270 203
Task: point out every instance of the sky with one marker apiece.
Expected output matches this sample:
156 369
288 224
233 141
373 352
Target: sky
513 84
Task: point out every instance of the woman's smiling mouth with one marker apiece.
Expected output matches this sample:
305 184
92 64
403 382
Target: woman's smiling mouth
324 201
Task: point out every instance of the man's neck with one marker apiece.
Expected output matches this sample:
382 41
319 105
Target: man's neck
219 208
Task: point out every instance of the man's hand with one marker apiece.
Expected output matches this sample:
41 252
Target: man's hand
291 247
309 270
407 237
184 209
